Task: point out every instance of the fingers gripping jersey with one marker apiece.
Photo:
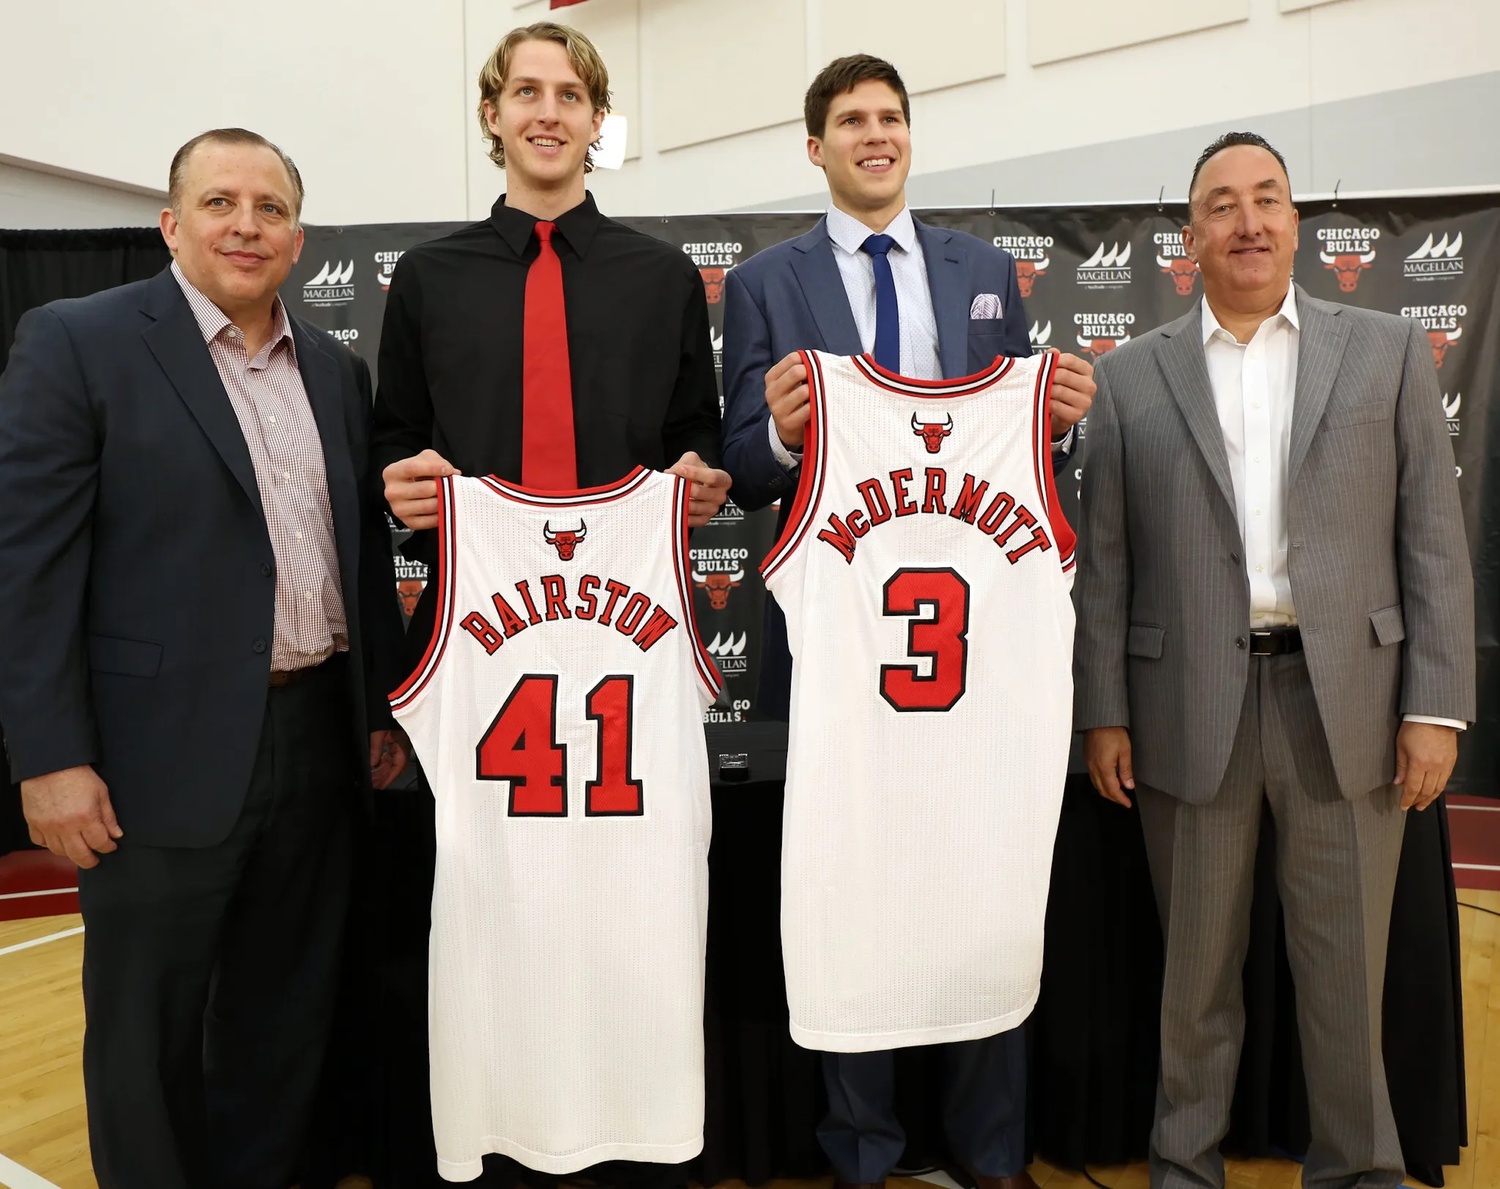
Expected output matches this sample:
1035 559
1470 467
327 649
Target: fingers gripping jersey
924 573
558 715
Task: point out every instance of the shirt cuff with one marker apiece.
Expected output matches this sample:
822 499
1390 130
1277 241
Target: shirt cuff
1438 722
789 459
1059 445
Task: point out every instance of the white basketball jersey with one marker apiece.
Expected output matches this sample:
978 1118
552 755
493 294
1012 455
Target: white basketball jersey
924 573
558 715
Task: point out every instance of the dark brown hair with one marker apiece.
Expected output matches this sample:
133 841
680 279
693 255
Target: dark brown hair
840 77
241 136
1228 141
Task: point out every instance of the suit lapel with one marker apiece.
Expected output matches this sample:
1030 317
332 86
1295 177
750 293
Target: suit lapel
176 341
947 283
320 377
1320 350
818 274
1181 358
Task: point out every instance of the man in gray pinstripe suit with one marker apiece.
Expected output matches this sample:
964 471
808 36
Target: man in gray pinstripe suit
1274 603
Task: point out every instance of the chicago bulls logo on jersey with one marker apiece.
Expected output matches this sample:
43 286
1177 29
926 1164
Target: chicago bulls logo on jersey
932 433
565 542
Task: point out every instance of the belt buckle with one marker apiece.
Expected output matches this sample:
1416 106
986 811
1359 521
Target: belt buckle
1263 637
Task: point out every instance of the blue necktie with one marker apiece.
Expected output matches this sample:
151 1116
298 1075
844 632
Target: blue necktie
887 314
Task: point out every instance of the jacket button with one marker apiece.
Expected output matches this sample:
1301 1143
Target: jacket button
266 568
1239 642
1235 557
258 646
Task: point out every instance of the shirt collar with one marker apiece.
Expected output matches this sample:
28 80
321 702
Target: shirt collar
1288 311
577 226
212 320
849 233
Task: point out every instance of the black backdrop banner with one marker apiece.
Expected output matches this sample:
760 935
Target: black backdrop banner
1092 278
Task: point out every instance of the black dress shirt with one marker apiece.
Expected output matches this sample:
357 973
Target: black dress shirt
638 346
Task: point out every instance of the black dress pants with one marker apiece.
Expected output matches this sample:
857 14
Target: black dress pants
209 972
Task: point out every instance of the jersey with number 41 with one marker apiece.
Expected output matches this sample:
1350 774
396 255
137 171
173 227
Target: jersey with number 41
925 573
558 715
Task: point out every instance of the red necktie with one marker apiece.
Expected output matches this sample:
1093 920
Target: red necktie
548 458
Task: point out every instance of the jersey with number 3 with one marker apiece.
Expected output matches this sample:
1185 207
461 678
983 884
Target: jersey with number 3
925 573
558 715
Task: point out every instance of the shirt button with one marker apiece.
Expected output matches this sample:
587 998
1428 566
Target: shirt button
259 645
1260 569
309 596
286 476
272 418
1257 458
1256 405
299 536
1257 511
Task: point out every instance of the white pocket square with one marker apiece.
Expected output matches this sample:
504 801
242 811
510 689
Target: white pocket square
986 306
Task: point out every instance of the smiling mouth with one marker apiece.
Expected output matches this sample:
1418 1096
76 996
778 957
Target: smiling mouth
877 162
546 142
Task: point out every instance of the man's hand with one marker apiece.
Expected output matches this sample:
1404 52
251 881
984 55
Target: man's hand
69 813
709 488
1106 750
1073 391
411 488
787 396
389 752
1425 755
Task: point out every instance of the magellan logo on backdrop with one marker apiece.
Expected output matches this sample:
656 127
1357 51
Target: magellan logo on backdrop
1106 269
1040 337
1098 333
1443 323
331 287
1436 261
718 572
1347 251
729 651
713 261
1451 405
730 513
1172 259
1033 254
386 262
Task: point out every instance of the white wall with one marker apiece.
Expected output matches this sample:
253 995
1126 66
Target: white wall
375 98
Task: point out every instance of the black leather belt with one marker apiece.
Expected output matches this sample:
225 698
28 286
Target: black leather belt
1275 641
281 677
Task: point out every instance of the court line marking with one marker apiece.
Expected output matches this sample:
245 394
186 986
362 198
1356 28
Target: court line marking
1452 808
39 892
18 1177
1456 867
26 945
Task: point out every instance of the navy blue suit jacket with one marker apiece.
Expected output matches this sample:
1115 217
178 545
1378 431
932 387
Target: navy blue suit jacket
791 298
136 567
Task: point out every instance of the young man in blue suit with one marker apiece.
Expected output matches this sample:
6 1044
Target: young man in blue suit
932 304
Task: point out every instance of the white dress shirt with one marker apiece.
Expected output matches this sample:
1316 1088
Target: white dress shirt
1254 386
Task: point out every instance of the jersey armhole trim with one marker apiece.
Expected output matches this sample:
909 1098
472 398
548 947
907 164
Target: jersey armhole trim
405 693
810 480
1062 531
708 672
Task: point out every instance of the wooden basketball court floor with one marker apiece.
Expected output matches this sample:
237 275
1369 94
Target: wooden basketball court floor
44 1140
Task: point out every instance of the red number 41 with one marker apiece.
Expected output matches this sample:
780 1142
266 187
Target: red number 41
521 746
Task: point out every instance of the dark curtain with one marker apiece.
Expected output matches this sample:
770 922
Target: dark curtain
41 266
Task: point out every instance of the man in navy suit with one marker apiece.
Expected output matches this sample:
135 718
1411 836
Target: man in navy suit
932 304
203 623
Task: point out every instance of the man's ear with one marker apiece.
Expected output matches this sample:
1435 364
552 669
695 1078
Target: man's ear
815 151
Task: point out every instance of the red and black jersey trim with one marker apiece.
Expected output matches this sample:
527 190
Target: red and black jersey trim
932 389
708 672
814 470
447 561
604 494
1046 482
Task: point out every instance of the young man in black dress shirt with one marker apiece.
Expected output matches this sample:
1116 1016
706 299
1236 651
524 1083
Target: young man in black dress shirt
450 394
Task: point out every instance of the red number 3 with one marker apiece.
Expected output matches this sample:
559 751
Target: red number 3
521 746
942 598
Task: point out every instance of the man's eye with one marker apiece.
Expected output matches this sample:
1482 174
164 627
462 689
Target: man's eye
570 96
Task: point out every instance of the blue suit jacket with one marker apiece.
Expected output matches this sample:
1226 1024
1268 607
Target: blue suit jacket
791 298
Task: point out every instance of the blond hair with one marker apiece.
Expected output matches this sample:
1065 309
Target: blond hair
582 56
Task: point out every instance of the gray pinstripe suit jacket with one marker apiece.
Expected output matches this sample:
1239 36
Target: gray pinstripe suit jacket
1378 563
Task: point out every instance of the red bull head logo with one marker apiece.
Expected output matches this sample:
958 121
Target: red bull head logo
1347 266
409 590
1441 340
1094 348
565 542
713 284
1184 273
1027 272
718 586
932 433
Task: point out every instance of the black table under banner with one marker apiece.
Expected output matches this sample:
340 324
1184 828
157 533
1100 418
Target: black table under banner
1092 1037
